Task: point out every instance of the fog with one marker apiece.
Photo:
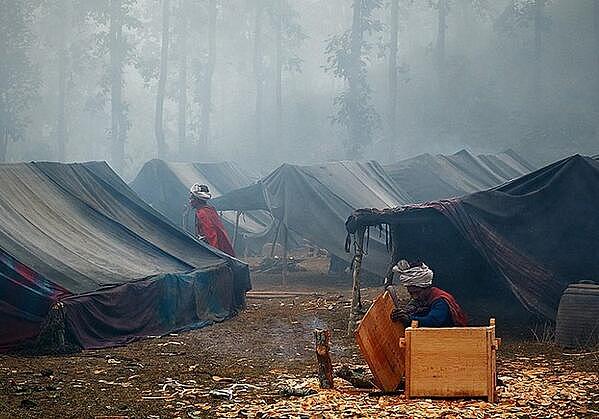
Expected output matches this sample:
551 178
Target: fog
262 82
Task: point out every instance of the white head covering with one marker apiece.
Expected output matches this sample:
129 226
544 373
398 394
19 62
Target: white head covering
417 276
200 191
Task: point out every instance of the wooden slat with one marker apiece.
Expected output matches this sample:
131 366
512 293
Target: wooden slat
490 372
378 338
408 363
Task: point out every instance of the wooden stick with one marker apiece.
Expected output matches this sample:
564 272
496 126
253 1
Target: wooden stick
322 339
274 242
285 270
236 228
356 302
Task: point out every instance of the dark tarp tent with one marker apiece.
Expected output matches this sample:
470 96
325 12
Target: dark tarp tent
165 186
430 177
537 233
76 242
313 202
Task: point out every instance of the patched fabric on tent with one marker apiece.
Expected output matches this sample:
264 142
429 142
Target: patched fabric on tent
74 237
165 186
313 202
537 233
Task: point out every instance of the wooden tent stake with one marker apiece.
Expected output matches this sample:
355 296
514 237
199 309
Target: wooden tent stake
356 302
322 339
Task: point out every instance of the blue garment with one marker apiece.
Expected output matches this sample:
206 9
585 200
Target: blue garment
438 315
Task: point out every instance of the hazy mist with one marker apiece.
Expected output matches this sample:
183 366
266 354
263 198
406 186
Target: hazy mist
262 82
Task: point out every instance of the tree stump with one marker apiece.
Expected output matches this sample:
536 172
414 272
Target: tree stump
322 339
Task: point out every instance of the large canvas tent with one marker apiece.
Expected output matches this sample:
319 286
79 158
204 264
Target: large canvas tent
78 245
531 237
313 202
430 177
165 186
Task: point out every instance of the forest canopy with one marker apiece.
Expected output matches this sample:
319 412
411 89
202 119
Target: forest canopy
302 81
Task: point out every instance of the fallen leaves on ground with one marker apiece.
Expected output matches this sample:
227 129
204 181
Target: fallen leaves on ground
262 364
532 388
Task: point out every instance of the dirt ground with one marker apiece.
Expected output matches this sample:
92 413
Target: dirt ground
269 347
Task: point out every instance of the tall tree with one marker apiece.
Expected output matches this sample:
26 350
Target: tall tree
258 69
64 11
112 18
519 15
159 116
118 130
206 97
393 49
182 88
278 24
346 58
538 64
289 35
596 24
19 80
443 9
353 75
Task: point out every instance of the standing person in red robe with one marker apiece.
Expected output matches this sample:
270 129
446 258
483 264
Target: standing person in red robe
430 306
209 226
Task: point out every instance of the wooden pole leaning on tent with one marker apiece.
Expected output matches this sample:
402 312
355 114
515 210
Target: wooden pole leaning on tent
356 302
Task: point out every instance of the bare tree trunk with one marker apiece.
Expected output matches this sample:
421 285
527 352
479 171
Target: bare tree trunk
538 65
206 100
279 72
441 40
61 125
393 39
159 116
182 114
596 21
116 59
3 144
258 70
354 79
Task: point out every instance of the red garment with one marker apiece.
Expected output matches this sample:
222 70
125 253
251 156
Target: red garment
457 314
210 226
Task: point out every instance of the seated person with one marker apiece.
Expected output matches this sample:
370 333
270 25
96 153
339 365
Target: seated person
430 306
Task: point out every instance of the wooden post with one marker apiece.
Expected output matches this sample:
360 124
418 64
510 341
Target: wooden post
236 228
356 303
274 242
491 362
285 267
322 339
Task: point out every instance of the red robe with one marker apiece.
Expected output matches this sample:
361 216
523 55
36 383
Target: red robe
457 314
210 226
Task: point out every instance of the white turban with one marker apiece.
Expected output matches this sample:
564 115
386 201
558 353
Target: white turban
200 191
416 276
